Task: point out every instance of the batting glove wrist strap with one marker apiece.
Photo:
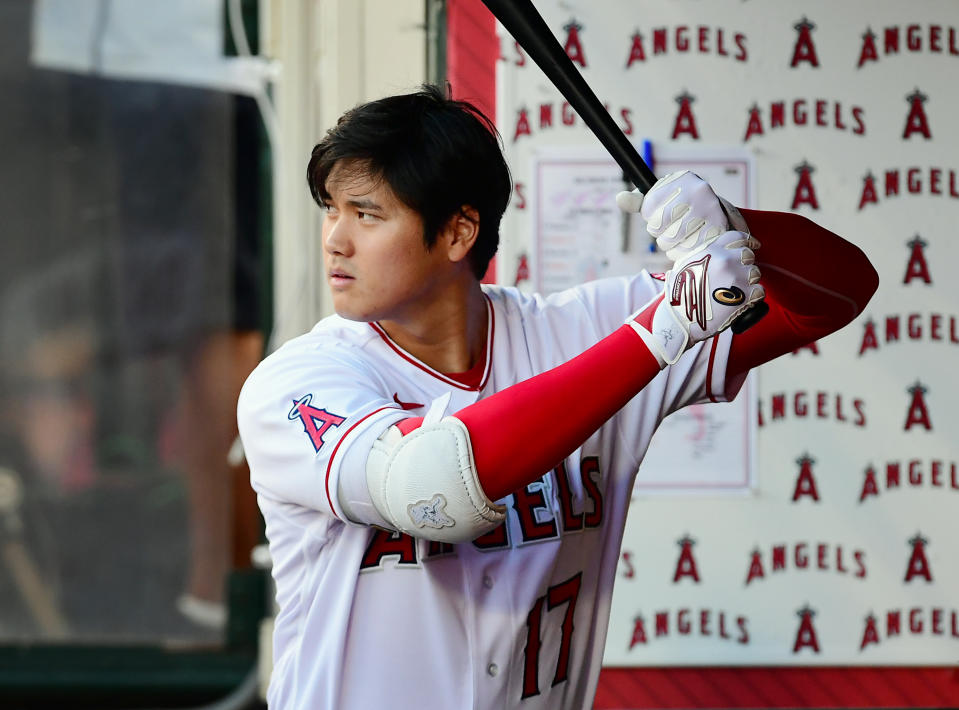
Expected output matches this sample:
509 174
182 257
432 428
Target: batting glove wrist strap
660 330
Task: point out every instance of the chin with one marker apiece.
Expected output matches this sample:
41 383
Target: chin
353 313
357 318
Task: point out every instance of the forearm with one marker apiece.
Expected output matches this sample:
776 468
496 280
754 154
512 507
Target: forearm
811 270
527 429
816 282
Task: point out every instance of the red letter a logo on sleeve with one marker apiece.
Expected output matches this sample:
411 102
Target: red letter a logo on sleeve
315 421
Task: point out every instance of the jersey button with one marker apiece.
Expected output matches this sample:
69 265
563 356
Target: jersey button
487 581
492 669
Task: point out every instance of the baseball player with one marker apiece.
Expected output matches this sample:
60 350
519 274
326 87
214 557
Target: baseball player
445 467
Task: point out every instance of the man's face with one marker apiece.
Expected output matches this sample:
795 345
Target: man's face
377 264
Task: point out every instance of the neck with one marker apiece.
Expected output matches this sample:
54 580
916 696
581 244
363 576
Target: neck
451 336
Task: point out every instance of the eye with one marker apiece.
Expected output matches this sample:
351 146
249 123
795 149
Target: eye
328 208
366 216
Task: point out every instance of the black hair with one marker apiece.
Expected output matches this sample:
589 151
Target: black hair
437 154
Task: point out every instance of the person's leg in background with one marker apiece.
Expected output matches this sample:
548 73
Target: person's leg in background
223 515
225 518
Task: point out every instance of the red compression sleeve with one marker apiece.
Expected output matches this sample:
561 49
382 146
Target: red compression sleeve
527 429
816 282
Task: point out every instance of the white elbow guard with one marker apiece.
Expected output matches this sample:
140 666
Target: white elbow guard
425 483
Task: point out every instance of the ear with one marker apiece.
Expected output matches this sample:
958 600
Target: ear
461 232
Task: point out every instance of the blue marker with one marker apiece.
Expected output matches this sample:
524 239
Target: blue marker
648 153
648 159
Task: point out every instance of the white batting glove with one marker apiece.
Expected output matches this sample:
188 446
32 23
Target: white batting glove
682 213
705 292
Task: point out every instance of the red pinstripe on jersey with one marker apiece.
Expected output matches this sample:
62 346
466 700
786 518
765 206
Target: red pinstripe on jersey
709 371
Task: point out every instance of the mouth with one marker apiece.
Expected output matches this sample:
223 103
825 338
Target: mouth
338 277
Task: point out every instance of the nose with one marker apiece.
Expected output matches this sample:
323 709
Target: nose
336 238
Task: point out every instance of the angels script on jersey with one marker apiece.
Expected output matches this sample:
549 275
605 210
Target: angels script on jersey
532 517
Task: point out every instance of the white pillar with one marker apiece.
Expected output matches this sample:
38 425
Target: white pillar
333 54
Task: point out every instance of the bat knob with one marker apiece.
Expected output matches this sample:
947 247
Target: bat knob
750 317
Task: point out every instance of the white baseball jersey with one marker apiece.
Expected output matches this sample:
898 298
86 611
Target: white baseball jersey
515 619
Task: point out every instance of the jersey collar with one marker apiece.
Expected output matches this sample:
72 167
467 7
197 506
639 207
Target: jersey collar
487 354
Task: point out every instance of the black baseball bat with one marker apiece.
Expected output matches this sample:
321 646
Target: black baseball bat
530 30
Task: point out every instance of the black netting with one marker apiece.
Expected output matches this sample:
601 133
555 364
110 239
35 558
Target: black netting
121 346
